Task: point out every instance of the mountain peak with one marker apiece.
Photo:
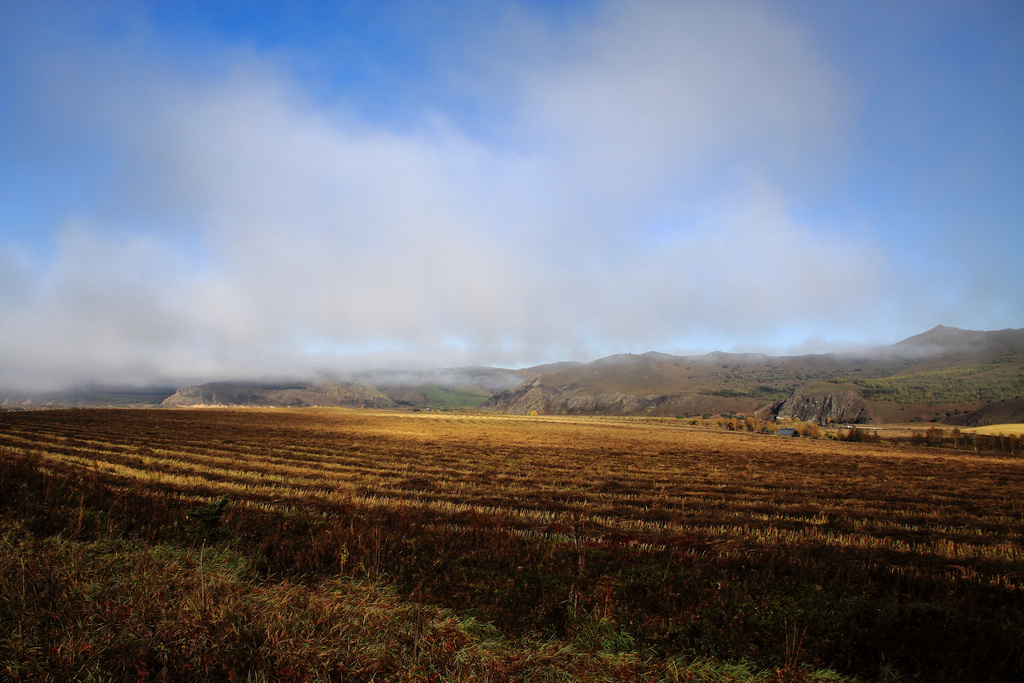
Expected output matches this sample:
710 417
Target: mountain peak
973 345
941 336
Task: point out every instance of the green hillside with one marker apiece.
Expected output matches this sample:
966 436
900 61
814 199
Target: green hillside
451 398
974 383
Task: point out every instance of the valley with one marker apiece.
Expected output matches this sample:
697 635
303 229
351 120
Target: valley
945 375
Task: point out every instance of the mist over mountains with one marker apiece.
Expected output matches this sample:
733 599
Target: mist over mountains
945 374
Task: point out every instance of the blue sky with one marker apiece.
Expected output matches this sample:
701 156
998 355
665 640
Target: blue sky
193 191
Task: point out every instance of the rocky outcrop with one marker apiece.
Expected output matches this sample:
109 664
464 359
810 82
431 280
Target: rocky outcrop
841 406
533 395
186 397
348 395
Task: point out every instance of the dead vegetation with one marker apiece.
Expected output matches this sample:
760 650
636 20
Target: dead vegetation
641 547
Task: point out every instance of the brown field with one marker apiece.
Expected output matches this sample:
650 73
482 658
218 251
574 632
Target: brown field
659 544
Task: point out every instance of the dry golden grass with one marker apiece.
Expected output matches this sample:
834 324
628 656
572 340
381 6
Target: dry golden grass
995 430
641 479
647 536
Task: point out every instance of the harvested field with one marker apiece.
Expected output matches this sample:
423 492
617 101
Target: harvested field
648 539
1016 429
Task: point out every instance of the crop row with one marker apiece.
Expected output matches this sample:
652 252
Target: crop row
652 537
634 477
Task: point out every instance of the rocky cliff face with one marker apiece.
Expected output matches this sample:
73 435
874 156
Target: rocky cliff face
842 406
533 395
244 394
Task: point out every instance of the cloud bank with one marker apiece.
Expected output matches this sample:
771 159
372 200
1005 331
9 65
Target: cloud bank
639 176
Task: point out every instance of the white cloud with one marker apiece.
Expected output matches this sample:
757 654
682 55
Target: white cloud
639 197
660 93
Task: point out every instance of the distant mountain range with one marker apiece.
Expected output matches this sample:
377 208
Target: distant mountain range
938 375
945 374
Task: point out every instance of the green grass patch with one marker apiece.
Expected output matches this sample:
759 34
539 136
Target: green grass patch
973 384
451 398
